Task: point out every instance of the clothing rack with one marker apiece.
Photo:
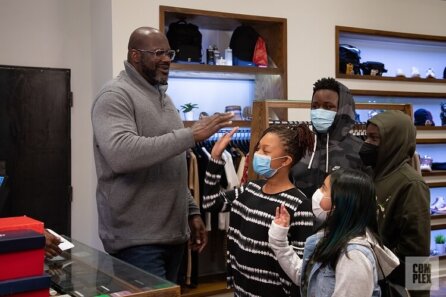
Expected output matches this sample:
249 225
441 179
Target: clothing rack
262 111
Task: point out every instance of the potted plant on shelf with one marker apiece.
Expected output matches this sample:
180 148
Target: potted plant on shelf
440 239
188 111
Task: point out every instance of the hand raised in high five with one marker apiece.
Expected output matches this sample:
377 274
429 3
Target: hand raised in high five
221 144
282 216
208 126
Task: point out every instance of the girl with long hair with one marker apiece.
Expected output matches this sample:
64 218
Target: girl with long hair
346 257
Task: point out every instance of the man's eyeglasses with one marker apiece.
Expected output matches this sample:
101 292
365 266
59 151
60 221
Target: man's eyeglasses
159 53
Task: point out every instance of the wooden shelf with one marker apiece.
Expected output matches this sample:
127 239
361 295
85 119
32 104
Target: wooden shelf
436 184
390 78
438 227
431 140
395 50
438 217
432 128
270 82
434 173
223 69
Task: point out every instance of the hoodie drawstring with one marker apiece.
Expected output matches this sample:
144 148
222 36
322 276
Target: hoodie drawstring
326 156
314 151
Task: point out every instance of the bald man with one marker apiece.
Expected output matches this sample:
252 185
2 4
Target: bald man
146 212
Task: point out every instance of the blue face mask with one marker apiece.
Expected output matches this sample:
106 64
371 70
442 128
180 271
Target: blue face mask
262 165
322 119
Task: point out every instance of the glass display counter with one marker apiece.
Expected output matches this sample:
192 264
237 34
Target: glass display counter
84 272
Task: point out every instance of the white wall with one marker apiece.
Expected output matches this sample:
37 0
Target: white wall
56 33
311 31
90 38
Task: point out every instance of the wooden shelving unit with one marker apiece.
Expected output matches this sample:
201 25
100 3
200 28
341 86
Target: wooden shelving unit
271 82
413 47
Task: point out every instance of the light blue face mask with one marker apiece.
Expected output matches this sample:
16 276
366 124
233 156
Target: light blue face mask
322 119
262 165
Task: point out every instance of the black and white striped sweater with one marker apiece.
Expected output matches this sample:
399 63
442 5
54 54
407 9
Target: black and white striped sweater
253 269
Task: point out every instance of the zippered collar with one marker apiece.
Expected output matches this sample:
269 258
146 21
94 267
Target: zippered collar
134 75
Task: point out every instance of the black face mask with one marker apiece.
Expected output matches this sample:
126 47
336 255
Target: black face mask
369 154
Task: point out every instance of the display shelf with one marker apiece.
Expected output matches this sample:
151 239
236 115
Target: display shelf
436 230
214 87
396 50
419 100
434 173
177 67
85 271
437 190
248 83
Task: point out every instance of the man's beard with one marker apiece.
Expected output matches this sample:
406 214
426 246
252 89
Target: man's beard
153 76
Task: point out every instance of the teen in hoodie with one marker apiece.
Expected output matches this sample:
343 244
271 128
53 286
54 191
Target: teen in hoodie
403 196
346 257
332 117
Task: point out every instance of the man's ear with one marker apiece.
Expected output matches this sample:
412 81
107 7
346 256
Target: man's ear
135 56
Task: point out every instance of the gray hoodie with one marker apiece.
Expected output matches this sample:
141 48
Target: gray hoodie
139 149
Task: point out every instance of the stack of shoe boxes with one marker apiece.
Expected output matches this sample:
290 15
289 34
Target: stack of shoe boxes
22 255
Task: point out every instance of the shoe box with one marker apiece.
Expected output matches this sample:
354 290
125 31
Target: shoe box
35 286
22 253
20 223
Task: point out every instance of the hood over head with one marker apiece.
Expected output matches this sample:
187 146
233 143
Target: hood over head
341 127
345 115
397 144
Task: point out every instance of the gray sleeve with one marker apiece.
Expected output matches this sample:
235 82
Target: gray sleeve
354 276
192 206
115 132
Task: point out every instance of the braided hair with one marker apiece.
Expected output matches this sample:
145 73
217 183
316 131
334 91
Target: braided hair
326 83
297 140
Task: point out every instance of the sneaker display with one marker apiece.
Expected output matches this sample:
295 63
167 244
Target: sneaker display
400 73
415 72
430 73
426 163
439 203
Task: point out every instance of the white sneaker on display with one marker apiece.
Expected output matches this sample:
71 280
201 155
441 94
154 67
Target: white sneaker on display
439 203
415 72
430 73
400 72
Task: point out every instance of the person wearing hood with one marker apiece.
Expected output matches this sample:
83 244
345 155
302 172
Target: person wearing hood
332 116
346 257
403 195
146 212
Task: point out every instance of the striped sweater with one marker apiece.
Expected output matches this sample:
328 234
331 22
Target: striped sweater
253 269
